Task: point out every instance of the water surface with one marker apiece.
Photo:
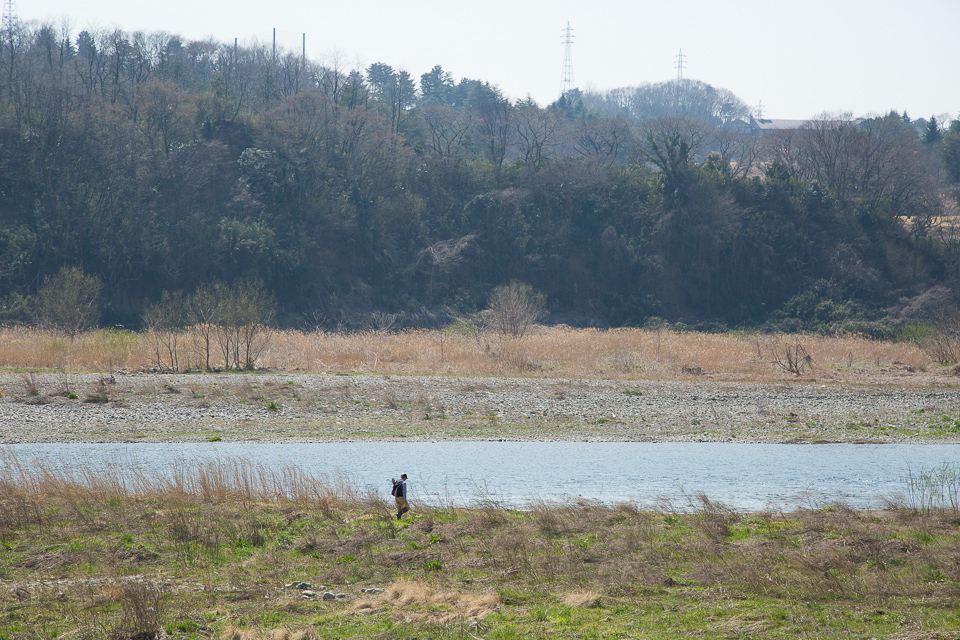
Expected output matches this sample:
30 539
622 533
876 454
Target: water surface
741 476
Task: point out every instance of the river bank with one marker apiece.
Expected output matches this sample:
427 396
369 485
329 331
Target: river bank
259 553
311 407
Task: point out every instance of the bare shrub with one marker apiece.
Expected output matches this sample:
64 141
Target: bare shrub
99 395
791 358
142 605
29 385
514 308
625 361
390 399
942 343
381 321
713 518
746 567
512 548
551 519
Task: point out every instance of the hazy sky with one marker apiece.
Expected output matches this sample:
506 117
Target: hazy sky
798 59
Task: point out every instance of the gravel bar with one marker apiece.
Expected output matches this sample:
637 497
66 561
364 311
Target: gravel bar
320 407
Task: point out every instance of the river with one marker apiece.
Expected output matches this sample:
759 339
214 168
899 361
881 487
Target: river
746 477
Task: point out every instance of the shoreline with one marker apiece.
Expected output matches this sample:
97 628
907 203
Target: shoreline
299 407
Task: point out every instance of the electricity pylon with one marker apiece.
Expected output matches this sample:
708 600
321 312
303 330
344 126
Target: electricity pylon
566 78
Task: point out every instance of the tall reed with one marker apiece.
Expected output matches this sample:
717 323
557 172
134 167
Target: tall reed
235 480
547 351
934 490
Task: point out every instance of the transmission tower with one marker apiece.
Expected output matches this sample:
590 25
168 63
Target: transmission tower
680 60
9 18
566 78
8 43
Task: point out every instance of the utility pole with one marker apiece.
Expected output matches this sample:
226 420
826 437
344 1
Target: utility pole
566 78
680 60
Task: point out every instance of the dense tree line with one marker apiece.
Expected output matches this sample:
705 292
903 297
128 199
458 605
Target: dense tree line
162 167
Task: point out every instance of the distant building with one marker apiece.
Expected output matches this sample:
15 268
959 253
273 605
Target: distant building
769 126
766 126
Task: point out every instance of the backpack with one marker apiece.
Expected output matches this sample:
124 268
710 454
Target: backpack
396 489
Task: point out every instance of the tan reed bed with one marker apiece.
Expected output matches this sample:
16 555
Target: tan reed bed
547 351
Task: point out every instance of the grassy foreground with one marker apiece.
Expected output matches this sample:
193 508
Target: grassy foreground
213 551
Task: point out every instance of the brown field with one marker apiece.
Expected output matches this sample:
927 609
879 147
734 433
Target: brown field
548 351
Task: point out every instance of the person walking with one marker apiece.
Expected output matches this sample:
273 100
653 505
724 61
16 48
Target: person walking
400 495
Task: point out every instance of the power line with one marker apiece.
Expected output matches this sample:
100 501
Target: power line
566 78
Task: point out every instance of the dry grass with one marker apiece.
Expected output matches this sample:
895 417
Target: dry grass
206 554
233 633
554 352
234 480
418 601
582 599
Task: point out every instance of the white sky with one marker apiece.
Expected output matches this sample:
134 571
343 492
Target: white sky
798 58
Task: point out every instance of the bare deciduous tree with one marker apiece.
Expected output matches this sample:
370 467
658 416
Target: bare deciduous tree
536 131
448 128
205 311
242 334
70 301
165 323
603 140
514 308
493 126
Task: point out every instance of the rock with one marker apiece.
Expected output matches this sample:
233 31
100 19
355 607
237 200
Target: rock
329 596
296 584
309 594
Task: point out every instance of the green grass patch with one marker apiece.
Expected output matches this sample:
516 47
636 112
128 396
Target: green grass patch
214 554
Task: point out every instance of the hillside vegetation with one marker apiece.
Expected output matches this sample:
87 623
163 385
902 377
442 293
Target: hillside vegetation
152 165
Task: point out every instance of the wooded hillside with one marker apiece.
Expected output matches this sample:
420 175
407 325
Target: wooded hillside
158 165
